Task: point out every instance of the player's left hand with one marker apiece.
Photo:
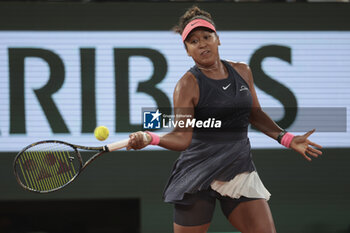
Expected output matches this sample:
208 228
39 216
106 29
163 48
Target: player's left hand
302 145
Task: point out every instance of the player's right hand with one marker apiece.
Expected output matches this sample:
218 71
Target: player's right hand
138 140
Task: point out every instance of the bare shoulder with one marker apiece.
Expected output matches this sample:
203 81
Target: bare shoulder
187 89
187 81
243 69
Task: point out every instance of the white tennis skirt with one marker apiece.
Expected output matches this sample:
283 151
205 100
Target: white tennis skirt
246 184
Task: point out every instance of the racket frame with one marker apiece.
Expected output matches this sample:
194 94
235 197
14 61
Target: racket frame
82 166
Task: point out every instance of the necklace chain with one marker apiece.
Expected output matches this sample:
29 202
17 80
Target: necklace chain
202 68
209 69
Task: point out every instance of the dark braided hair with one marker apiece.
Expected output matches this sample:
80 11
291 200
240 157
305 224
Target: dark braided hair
192 13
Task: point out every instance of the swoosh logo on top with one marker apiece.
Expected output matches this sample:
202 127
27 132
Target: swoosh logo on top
225 88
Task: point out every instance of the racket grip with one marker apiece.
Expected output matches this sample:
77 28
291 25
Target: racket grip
116 145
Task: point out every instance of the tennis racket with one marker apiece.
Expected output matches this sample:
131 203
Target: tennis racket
47 166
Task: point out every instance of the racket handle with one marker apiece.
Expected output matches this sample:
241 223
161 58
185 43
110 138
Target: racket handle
121 144
117 145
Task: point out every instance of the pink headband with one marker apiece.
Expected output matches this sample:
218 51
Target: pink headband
195 24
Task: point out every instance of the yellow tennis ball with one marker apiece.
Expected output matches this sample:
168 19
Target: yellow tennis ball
101 133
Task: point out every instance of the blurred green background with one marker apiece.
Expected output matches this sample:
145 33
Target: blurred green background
306 197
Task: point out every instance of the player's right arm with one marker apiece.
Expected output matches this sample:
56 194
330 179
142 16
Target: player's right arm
185 98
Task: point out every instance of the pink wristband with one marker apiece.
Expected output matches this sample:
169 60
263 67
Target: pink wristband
287 139
155 138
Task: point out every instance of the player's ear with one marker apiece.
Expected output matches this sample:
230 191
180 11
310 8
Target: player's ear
218 38
188 53
186 49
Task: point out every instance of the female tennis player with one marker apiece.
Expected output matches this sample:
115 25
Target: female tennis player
217 164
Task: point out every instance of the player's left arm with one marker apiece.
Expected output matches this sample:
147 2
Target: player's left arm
260 120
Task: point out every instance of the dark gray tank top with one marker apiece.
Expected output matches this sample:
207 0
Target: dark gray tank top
228 100
215 153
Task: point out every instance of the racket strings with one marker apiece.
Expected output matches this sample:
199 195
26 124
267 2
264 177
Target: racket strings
47 166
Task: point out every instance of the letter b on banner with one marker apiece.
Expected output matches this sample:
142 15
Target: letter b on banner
121 56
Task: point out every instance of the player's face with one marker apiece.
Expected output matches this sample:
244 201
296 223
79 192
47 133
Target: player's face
202 46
